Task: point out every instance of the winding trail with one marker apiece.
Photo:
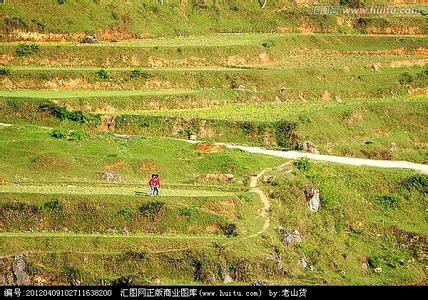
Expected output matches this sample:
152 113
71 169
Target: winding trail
264 211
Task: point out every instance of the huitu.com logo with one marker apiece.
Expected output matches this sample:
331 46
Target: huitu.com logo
339 10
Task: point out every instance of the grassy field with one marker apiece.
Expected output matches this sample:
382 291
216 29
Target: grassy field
355 225
139 19
356 232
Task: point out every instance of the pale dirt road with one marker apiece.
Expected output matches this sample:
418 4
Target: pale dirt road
389 164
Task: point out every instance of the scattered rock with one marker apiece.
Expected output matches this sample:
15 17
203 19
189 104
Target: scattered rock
289 237
268 179
307 146
109 177
303 262
376 66
19 272
365 266
378 270
394 147
89 39
226 276
313 197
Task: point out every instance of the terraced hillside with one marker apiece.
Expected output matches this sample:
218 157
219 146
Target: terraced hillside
82 127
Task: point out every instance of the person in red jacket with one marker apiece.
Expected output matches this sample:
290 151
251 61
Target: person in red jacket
154 185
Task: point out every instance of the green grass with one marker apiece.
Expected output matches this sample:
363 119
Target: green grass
113 214
52 94
351 227
362 128
31 155
148 18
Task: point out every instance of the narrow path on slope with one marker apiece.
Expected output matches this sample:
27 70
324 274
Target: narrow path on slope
264 212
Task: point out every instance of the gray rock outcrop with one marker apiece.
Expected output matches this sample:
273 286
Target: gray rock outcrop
313 198
19 270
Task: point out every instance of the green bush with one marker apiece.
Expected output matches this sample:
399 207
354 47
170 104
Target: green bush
53 205
4 71
151 209
25 49
229 230
185 212
139 74
302 164
103 74
285 132
418 182
125 212
387 201
63 114
60 1
72 274
76 135
374 261
405 78
59 133
268 44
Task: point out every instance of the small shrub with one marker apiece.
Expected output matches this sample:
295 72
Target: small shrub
41 26
374 261
139 74
304 119
76 135
103 74
53 205
125 212
72 274
13 105
33 270
387 201
77 116
60 1
245 197
59 133
230 230
4 71
151 209
185 212
422 75
285 133
405 78
302 164
418 182
268 44
25 49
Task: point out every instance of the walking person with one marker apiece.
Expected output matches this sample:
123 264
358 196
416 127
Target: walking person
154 185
